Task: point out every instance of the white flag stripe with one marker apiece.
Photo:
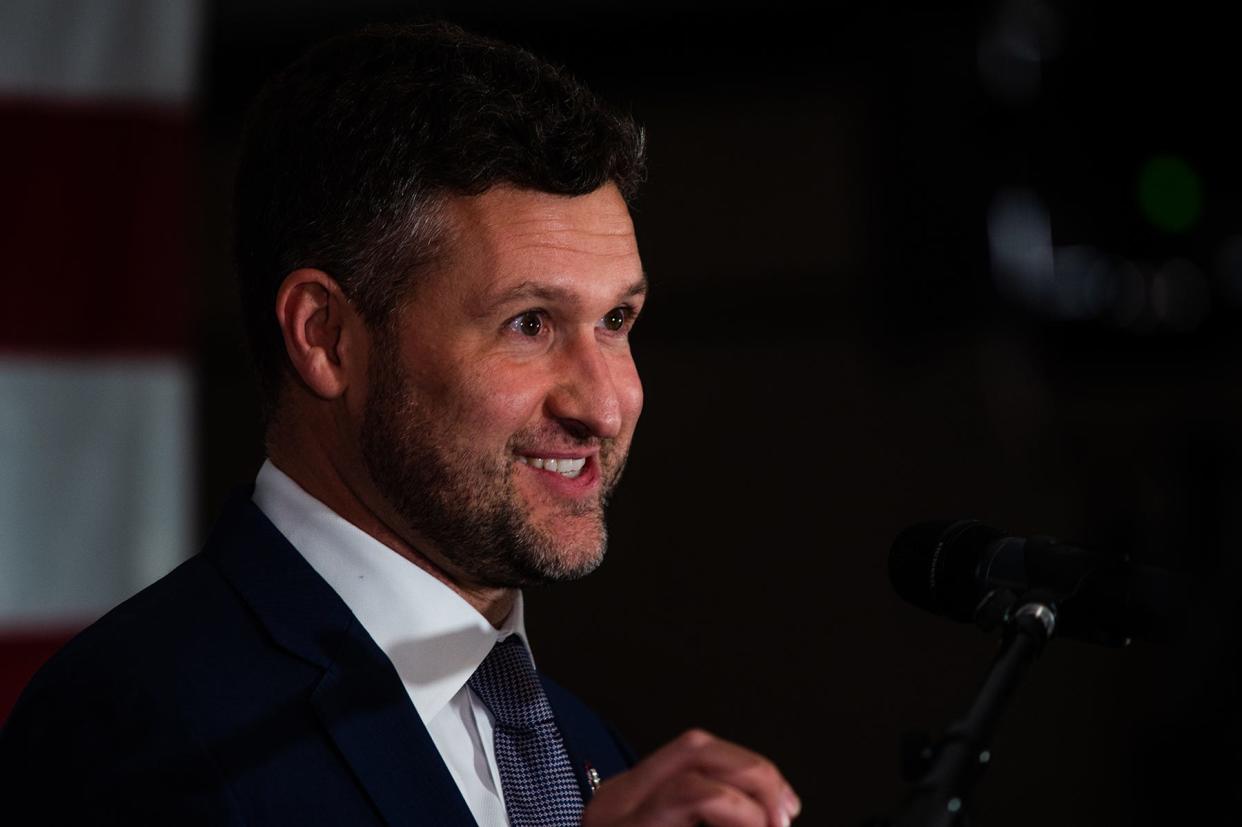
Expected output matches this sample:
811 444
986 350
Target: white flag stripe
96 478
135 50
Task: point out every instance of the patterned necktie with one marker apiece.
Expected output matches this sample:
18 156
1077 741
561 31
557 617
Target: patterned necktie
535 773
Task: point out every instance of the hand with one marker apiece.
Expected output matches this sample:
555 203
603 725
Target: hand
696 779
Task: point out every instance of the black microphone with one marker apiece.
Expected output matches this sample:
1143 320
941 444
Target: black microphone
963 569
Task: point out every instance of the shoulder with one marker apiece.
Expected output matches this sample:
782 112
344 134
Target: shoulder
157 623
191 648
142 707
165 645
117 703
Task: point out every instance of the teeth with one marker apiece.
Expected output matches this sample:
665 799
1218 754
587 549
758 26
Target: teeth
565 467
571 467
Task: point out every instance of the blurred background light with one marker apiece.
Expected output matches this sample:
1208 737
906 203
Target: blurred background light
1180 295
1020 245
1130 296
1084 282
1170 193
1013 47
1227 268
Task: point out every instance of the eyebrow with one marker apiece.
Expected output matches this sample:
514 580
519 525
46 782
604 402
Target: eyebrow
540 291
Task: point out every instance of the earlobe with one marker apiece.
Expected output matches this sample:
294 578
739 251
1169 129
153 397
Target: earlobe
316 320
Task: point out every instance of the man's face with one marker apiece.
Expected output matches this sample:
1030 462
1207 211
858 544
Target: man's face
503 397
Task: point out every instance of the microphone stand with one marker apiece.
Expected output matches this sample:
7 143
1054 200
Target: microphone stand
950 769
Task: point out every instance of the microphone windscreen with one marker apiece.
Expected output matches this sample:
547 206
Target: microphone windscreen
933 565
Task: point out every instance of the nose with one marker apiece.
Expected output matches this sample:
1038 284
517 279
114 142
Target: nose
585 397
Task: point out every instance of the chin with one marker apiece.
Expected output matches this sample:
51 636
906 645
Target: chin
558 562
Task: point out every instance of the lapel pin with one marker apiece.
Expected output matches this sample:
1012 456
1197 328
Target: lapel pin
592 775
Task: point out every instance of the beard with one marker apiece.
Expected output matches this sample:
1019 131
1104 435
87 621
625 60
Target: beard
466 501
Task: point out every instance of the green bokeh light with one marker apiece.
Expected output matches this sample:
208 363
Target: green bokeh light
1170 193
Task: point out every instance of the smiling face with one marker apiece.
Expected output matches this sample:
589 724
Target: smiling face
503 397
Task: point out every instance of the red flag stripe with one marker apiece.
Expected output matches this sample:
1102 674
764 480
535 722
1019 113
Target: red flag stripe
23 653
94 226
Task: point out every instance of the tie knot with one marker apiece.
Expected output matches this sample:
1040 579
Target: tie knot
507 684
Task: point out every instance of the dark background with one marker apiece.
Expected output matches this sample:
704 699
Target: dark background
839 343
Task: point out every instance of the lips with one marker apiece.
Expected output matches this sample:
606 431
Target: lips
571 474
569 467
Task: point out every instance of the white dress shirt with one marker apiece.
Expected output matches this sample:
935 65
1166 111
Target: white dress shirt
434 638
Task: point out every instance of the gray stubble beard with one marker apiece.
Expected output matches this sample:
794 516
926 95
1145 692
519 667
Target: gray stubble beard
465 503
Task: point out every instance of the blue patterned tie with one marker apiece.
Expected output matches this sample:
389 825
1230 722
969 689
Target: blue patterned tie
535 773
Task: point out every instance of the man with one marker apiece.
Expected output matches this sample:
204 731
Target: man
440 274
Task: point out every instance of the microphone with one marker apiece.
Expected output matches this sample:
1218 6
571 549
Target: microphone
968 571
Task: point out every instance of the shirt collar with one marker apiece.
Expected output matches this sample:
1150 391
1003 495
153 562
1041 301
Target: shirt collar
434 638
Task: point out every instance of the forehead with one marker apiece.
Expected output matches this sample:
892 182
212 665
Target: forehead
508 237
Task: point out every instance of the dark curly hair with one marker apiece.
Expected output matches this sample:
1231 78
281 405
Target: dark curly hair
349 152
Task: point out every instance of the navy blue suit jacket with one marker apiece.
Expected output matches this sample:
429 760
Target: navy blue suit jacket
239 689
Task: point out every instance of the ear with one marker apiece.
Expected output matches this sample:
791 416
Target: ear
321 329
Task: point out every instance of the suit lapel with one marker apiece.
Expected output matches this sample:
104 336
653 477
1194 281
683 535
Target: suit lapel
359 700
588 741
378 731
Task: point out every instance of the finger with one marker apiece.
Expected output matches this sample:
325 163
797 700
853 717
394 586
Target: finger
726 762
694 798
754 775
684 752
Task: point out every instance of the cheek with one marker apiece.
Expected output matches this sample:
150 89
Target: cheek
499 402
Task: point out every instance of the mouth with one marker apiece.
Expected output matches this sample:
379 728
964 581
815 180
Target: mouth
568 467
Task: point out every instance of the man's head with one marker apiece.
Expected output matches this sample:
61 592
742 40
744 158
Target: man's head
441 224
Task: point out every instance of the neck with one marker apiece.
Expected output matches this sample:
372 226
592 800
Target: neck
311 466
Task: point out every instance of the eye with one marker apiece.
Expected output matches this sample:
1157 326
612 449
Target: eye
529 323
615 319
